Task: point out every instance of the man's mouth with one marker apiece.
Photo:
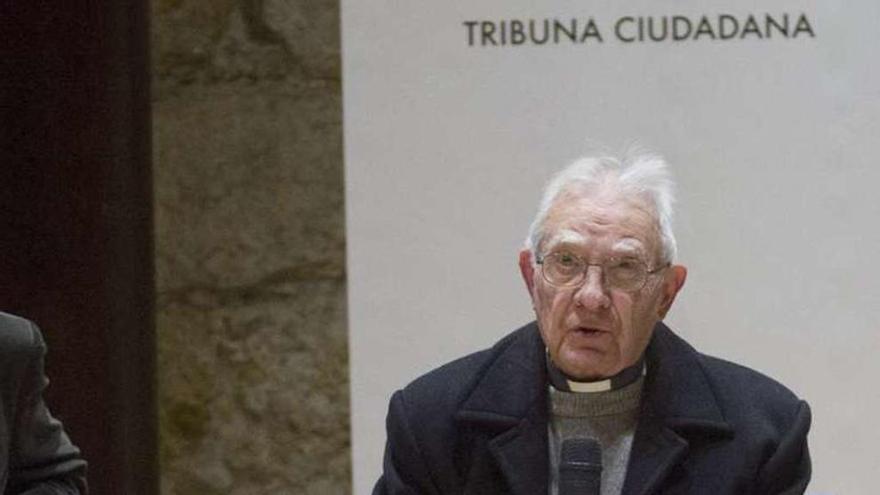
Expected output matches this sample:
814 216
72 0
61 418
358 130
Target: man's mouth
589 330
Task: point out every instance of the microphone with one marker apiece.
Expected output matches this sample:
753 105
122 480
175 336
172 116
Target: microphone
580 467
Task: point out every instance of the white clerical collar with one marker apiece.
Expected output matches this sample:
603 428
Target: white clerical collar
560 381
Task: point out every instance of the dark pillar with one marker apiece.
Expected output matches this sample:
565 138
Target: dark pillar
75 221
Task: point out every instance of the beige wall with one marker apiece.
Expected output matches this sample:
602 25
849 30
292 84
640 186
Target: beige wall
253 365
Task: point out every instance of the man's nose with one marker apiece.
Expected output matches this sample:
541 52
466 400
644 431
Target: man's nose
593 295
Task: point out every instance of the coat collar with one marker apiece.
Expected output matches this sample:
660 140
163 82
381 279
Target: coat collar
509 402
678 404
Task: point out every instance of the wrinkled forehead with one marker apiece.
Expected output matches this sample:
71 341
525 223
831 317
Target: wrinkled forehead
622 224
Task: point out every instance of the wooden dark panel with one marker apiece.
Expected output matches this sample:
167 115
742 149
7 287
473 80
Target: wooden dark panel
75 221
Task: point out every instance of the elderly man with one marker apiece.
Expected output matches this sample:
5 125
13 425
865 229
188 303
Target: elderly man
598 365
36 457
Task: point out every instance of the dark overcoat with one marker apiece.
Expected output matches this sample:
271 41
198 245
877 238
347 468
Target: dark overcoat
478 425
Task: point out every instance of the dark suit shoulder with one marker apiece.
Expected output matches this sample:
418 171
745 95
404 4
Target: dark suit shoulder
745 430
17 336
748 396
770 422
741 393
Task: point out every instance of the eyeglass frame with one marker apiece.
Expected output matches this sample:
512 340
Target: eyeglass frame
539 259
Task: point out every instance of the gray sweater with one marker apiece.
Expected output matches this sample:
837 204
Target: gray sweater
608 417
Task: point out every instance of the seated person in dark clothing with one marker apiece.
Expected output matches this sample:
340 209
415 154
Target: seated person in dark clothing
36 456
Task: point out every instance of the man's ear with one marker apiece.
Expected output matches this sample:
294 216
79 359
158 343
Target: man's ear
527 269
674 282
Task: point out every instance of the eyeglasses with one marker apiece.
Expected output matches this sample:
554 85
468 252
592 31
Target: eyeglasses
562 269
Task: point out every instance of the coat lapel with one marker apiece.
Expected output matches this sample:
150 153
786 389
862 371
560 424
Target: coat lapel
509 405
521 455
677 404
656 451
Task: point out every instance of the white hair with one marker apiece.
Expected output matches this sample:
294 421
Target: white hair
641 174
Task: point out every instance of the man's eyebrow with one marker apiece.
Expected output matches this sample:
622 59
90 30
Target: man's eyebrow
565 238
628 247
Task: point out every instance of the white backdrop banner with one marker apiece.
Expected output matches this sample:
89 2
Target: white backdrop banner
456 112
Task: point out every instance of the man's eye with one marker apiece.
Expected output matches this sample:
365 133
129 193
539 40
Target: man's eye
566 260
626 268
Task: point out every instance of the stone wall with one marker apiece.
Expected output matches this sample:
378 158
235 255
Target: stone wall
247 154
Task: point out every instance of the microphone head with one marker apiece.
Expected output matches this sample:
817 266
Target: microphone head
580 467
